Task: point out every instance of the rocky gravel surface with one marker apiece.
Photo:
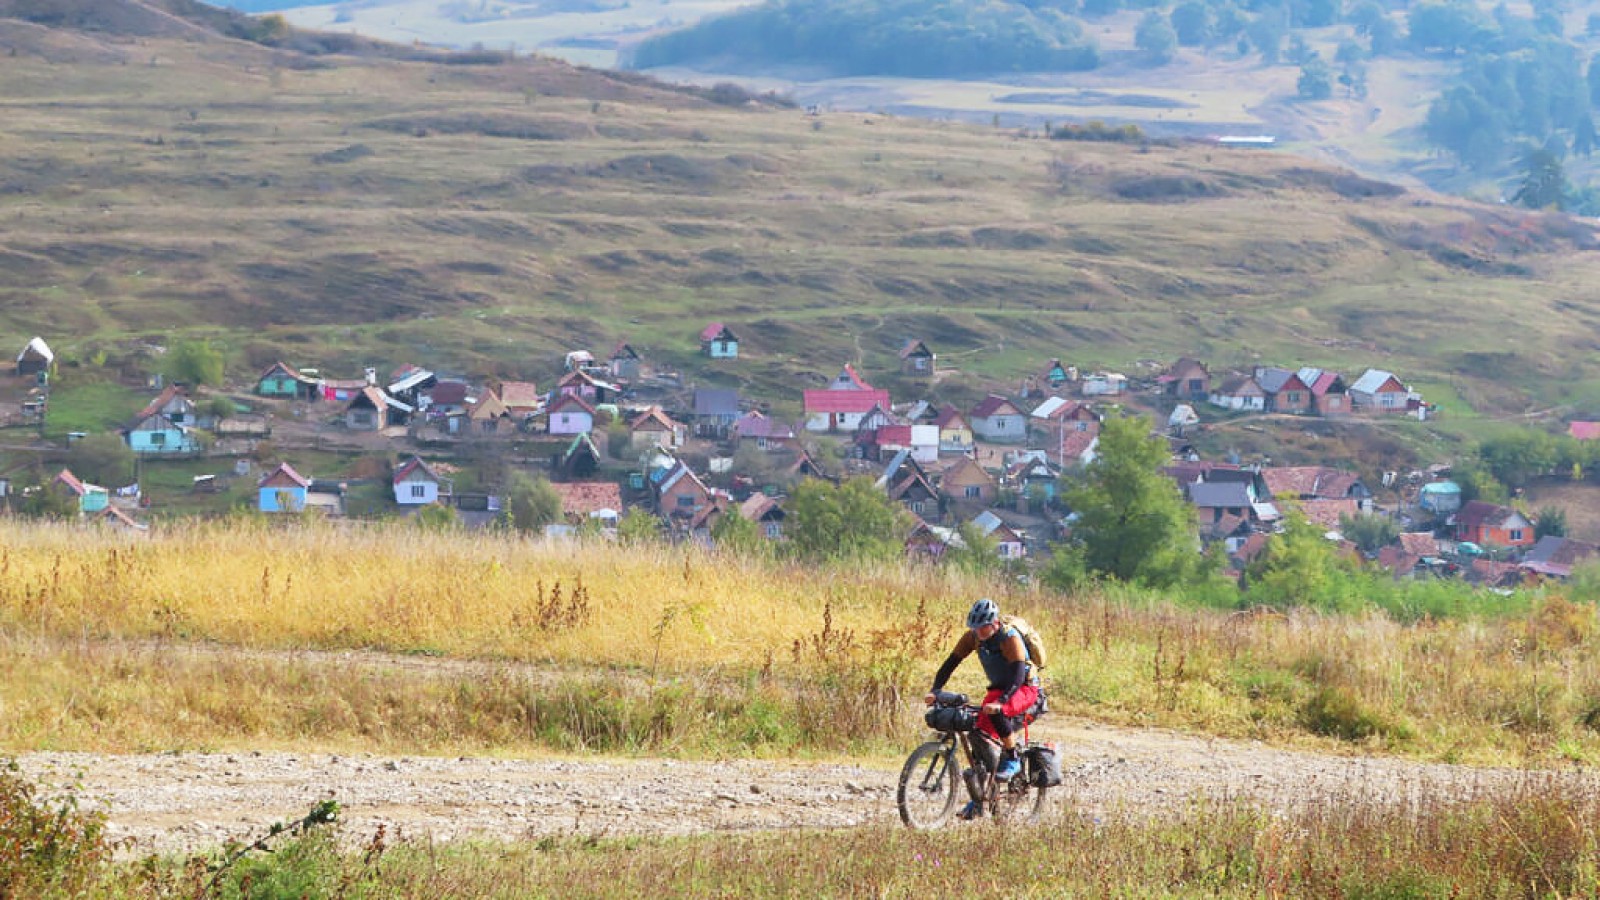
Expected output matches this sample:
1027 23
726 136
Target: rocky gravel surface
193 801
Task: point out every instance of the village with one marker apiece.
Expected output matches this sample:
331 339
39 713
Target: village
613 434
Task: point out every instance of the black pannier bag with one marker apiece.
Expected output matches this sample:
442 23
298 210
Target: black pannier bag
1046 767
952 718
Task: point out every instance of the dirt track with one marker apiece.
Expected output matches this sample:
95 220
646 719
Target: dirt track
194 801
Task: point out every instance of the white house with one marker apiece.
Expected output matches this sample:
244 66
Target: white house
571 414
998 419
417 484
1104 384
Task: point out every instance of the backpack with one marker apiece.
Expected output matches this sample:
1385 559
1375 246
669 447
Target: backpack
1030 639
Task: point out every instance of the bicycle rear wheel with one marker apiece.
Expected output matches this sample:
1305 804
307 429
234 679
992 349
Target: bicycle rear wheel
927 794
1019 801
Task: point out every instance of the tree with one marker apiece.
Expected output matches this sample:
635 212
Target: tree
48 501
219 407
1544 181
1133 525
1266 35
195 363
1369 533
1300 567
531 503
1299 52
436 517
1191 22
852 521
103 458
638 527
1316 80
736 534
1451 26
1156 38
977 554
1551 522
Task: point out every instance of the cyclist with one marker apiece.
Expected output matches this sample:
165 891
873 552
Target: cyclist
1012 687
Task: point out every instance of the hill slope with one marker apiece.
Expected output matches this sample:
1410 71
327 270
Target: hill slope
339 211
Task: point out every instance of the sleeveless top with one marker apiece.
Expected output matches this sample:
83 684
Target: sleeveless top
991 654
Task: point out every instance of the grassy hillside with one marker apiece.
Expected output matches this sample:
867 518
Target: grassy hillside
340 212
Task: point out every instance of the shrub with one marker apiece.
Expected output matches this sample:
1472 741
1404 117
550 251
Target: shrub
1339 712
48 847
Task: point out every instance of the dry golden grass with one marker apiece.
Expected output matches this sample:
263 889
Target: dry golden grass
799 659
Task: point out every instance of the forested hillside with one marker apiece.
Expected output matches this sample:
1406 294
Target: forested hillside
1515 100
885 37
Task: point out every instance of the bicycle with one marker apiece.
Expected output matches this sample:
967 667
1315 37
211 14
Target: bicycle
927 793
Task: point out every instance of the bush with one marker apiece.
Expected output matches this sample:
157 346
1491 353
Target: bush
48 847
1339 712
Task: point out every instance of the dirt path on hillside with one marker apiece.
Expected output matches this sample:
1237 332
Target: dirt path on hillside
178 802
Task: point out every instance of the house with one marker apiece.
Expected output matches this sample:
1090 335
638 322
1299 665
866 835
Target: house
1377 391
849 380
997 419
766 513
625 363
1584 431
372 410
955 436
588 386
925 443
342 390
448 398
1441 498
1285 392
1076 448
1033 476
1104 384
1316 483
715 411
1408 553
1183 416
654 425
1554 557
1055 376
1057 413
91 498
834 410
931 542
409 383
884 441
907 483
1328 515
967 483
571 414
118 519
281 381
155 434
521 399
488 415
417 484
765 433
1329 395
1228 498
173 402
36 358
1009 543
680 495
719 342
584 501
1188 379
916 359
283 490
1488 524
580 459
580 361
1239 393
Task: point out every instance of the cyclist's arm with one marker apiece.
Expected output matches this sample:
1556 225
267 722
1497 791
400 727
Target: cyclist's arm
964 648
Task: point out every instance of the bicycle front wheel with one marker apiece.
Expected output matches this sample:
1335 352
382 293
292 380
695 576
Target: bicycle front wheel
927 794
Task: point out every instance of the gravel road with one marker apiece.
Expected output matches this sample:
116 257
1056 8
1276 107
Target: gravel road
192 801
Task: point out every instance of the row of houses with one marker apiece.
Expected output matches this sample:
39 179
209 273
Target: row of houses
1305 391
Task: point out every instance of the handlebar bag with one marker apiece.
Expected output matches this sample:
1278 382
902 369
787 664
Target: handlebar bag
952 718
